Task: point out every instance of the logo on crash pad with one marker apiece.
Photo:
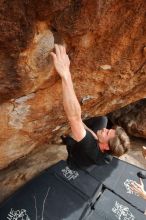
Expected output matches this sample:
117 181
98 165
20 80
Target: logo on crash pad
18 215
69 174
122 212
128 184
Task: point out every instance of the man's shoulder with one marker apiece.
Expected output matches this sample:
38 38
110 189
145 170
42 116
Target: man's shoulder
88 145
89 138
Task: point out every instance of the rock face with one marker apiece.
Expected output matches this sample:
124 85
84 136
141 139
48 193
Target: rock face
106 43
132 118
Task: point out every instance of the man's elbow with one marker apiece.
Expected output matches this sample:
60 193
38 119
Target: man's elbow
74 118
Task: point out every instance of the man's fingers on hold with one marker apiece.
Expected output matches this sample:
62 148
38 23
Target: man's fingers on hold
62 50
53 55
57 50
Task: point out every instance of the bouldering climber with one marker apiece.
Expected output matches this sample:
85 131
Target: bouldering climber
90 140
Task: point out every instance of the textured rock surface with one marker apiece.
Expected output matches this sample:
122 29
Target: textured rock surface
132 118
106 44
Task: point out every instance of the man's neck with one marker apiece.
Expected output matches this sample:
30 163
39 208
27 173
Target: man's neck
103 146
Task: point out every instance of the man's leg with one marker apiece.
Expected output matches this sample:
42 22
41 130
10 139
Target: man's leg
96 123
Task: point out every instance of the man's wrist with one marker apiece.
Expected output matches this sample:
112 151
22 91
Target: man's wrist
66 76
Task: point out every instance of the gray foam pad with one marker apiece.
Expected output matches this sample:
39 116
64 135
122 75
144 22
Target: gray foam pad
112 207
81 181
117 176
45 197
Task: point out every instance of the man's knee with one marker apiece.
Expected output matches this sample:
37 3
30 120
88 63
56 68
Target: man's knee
101 121
97 123
104 121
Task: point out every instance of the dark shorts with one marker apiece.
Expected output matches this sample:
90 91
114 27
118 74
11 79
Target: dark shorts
96 123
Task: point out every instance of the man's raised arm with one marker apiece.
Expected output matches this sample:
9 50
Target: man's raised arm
70 101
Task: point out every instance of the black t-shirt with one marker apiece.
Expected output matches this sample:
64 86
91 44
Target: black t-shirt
85 152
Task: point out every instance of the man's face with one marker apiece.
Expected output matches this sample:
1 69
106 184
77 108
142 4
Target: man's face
105 135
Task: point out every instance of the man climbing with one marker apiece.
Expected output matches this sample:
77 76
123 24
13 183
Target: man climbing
91 142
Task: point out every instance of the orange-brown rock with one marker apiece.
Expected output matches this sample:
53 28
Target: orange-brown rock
106 43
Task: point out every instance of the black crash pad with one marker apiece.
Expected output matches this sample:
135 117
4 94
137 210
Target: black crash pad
112 207
80 180
117 177
94 216
47 198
